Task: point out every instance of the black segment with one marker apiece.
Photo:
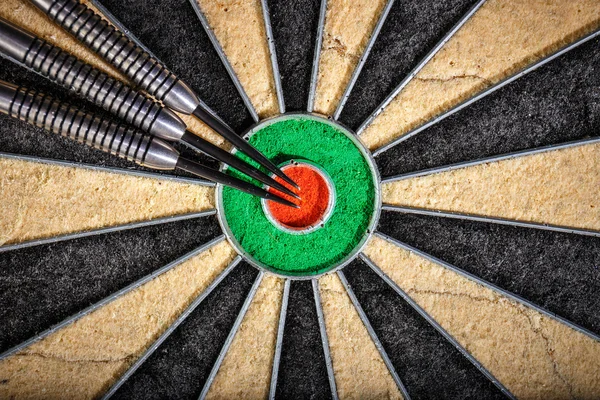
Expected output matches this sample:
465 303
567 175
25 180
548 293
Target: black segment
172 31
294 25
429 366
302 369
557 103
181 365
41 286
557 271
411 30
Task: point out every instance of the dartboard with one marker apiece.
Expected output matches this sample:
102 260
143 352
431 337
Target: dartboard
449 156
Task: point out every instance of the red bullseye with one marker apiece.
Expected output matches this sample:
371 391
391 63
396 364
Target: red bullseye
316 192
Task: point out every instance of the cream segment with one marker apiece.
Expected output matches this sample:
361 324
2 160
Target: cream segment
27 16
240 28
348 27
560 187
82 360
42 200
534 356
359 370
500 39
246 370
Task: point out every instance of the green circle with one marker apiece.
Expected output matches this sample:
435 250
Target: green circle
335 150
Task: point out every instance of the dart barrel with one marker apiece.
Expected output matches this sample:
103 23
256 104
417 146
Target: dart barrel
100 36
114 96
62 118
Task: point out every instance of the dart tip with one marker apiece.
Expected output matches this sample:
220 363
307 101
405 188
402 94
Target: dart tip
280 200
281 188
288 180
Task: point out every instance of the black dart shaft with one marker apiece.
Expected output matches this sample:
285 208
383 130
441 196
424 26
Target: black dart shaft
240 143
143 69
227 180
234 162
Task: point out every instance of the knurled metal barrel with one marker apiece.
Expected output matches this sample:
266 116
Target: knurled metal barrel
143 69
62 118
59 66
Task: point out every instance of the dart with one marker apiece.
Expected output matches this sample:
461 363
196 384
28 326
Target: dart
136 108
143 69
111 137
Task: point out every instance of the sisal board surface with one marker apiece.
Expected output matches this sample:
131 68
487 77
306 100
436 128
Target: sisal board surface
302 369
246 370
294 25
428 365
554 361
84 358
559 187
42 200
501 38
240 29
180 366
348 27
554 270
40 286
554 104
410 30
358 368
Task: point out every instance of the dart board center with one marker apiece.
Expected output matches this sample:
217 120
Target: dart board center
317 198
339 206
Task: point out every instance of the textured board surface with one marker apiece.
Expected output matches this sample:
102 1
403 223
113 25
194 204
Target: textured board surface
411 29
557 271
42 285
358 367
348 26
555 104
494 44
437 369
100 346
558 360
240 30
558 187
38 200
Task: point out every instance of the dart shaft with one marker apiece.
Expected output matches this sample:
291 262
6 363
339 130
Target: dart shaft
64 119
228 180
143 69
59 66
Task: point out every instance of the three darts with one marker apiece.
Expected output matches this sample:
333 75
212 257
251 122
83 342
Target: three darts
134 107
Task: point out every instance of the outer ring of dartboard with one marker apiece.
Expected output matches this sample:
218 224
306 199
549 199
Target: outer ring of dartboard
326 214
370 227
